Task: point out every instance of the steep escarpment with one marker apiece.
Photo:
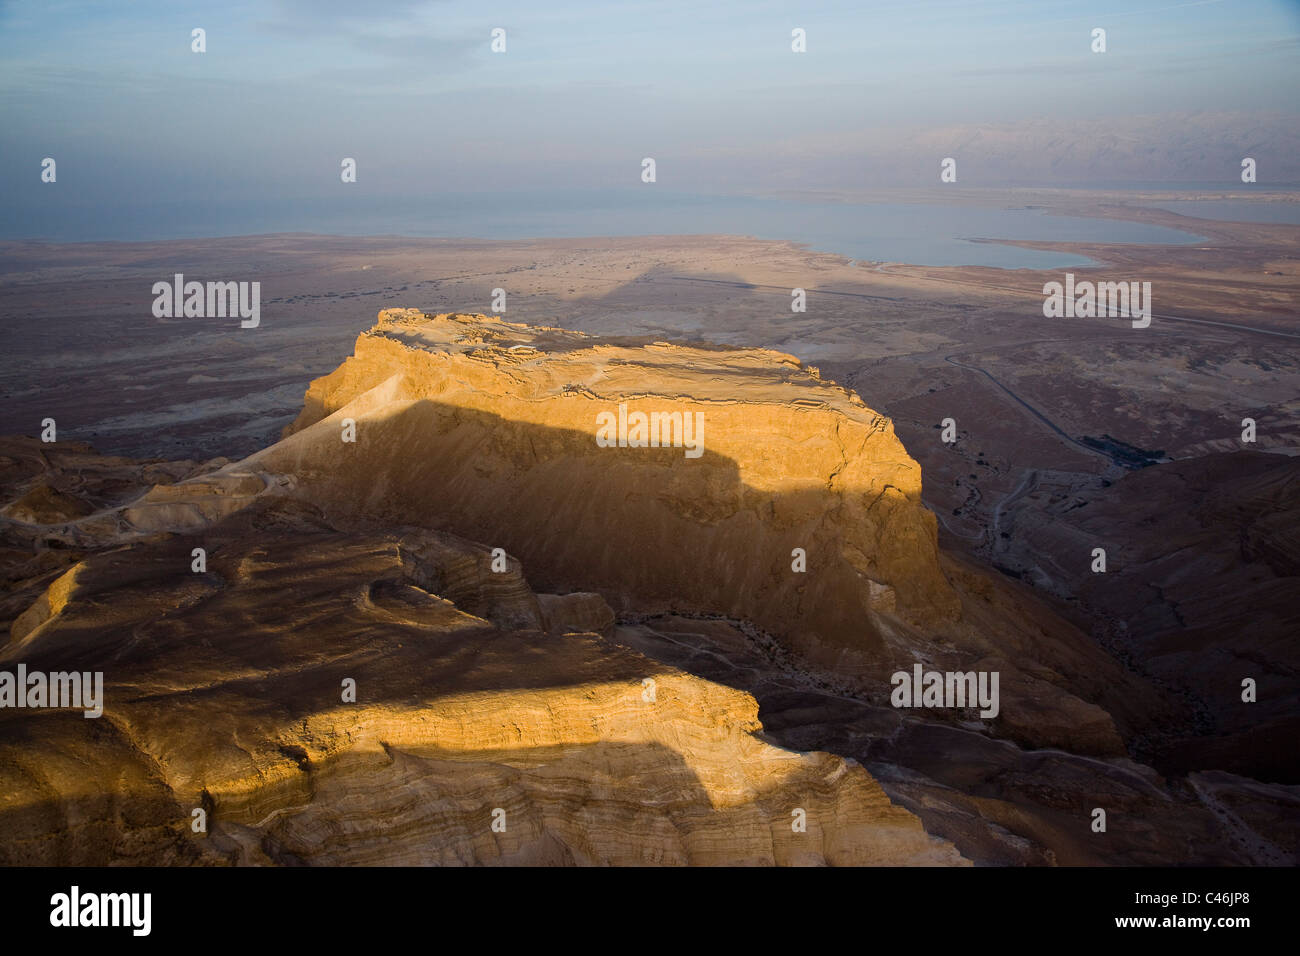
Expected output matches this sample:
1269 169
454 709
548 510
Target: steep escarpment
489 429
332 650
329 695
799 511
665 478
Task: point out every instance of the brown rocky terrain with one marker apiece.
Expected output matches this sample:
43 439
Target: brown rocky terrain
1199 598
472 695
523 688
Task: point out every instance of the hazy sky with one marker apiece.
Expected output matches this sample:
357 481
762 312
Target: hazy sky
712 90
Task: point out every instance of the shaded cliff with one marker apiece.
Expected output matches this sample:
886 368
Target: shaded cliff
489 429
775 556
485 725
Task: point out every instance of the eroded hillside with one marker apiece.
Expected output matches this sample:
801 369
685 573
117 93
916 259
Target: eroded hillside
542 618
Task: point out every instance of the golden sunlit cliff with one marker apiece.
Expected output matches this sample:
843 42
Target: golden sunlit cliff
564 647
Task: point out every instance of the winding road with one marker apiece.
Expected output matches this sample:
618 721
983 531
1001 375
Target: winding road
1030 408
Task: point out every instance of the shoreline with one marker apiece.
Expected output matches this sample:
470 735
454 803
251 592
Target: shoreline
1100 204
136 384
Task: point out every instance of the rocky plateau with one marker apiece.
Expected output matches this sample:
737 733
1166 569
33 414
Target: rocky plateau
562 651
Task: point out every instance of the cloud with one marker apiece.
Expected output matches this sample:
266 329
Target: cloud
1062 67
346 18
429 49
336 10
395 30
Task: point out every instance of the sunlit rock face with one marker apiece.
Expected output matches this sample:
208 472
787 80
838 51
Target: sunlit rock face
486 725
494 430
459 614
797 511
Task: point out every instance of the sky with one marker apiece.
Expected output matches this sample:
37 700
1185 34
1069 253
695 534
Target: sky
584 91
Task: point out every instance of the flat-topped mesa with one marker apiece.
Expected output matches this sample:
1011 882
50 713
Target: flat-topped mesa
662 476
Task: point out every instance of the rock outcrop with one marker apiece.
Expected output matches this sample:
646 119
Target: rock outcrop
489 429
604 708
482 725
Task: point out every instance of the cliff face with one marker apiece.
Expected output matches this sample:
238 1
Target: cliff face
786 504
491 430
486 725
396 560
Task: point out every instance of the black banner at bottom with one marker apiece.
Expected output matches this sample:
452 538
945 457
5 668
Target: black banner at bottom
917 906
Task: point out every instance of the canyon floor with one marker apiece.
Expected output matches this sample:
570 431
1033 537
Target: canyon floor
1122 690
